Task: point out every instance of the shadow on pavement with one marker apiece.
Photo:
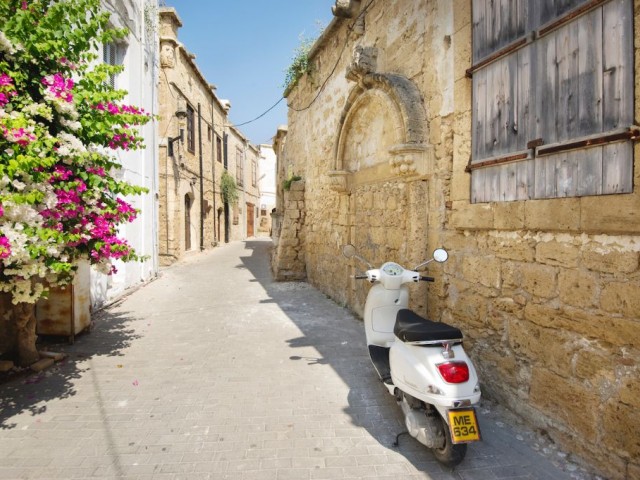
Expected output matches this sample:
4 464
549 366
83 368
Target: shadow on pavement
29 392
339 338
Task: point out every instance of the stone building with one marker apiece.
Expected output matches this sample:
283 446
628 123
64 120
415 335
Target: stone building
197 146
504 132
242 165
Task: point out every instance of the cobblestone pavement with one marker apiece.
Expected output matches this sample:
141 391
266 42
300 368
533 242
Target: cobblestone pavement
214 371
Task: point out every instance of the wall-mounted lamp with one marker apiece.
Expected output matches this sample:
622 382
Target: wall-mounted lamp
174 139
181 113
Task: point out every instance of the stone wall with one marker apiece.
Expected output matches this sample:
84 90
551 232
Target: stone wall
546 291
288 257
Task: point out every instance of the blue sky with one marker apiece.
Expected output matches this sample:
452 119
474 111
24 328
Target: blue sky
244 48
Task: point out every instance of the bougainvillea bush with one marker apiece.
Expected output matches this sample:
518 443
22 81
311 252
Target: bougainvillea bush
60 119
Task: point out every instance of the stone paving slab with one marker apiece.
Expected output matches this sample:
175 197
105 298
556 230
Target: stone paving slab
213 371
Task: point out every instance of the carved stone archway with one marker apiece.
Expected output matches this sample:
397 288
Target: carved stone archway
382 125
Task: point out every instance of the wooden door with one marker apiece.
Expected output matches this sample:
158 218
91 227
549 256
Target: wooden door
251 219
187 223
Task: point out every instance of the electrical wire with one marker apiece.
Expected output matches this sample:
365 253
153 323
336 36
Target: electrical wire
335 66
324 83
261 115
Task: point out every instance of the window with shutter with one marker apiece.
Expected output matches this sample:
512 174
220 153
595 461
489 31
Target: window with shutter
219 148
254 173
239 167
112 54
552 99
191 130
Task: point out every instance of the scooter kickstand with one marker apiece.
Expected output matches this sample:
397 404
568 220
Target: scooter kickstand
397 442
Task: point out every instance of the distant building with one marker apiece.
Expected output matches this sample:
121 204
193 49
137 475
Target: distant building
267 186
197 145
243 167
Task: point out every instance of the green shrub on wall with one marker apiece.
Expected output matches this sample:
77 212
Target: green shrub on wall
287 183
229 189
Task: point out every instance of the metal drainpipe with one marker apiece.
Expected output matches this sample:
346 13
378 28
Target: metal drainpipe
201 179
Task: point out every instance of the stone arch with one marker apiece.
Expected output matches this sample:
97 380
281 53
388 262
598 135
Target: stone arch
397 134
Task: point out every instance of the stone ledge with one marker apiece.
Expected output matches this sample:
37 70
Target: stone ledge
592 215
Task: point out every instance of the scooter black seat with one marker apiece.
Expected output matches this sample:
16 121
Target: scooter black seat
411 327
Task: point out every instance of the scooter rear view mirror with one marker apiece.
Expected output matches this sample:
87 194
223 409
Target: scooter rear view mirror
440 255
349 251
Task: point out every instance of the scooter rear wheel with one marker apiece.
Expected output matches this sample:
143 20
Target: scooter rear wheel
451 454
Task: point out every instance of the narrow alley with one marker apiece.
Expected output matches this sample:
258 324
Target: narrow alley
215 371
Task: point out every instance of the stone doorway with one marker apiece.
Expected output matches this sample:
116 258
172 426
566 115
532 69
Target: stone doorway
251 219
383 165
187 223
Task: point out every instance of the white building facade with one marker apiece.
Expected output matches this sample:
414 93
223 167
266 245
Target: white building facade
139 55
267 185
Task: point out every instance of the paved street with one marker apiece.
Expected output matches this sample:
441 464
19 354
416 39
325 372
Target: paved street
214 371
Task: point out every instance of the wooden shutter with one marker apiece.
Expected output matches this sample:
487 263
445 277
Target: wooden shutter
553 98
110 57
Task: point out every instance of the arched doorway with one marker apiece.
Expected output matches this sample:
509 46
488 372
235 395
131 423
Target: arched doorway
187 222
383 167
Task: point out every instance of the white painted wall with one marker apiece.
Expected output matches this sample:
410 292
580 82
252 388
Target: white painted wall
267 177
141 62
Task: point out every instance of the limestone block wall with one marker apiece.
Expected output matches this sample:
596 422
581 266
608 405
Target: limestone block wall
288 258
546 291
387 218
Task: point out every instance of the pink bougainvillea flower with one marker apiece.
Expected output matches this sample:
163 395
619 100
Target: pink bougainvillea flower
5 247
24 5
59 87
66 62
18 135
5 80
7 90
96 171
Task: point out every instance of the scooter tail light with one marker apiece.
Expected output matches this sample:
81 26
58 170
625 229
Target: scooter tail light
454 372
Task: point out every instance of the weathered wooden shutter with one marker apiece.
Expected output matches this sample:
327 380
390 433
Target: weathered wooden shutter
552 98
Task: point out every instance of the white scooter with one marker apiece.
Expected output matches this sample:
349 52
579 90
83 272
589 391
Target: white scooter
421 362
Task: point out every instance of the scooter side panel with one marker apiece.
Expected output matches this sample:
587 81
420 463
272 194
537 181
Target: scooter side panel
414 370
380 314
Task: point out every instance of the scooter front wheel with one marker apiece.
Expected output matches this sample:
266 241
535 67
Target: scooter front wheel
451 454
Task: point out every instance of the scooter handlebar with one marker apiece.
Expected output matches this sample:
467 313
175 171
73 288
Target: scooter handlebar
427 279
360 277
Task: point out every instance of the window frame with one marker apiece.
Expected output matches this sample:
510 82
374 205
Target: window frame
191 133
219 148
113 54
254 173
239 167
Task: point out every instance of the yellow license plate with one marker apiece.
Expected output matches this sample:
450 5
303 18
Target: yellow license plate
463 426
